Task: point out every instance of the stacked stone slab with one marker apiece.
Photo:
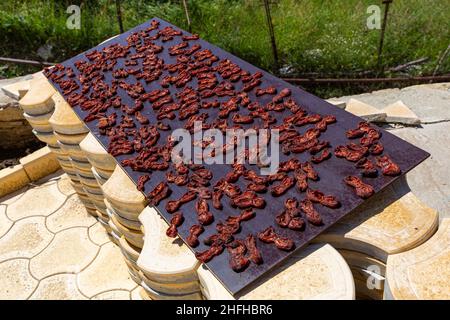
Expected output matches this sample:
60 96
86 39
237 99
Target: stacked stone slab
316 272
103 164
167 267
391 222
124 203
69 131
38 107
102 167
422 273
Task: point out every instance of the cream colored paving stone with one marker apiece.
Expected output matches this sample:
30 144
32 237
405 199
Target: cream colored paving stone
122 193
107 272
181 288
77 187
66 165
103 217
113 295
40 164
41 119
126 214
44 128
131 224
64 158
58 287
101 180
38 99
155 295
89 181
16 283
105 174
135 237
5 223
316 272
134 275
58 151
422 273
365 111
338 103
388 223
83 166
65 185
64 119
16 90
37 201
107 228
69 252
164 259
73 150
69 138
398 112
130 251
71 214
25 239
46 137
135 293
96 154
98 235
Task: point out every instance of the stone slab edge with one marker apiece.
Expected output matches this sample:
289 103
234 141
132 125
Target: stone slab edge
31 168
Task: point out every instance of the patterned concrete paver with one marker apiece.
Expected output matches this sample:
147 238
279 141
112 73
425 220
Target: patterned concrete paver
25 239
58 287
71 214
5 223
98 235
113 295
38 201
49 244
69 252
105 273
64 186
16 281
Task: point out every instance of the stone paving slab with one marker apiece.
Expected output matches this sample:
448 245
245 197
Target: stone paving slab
430 102
430 181
51 248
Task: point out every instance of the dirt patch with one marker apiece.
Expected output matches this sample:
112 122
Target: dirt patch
11 157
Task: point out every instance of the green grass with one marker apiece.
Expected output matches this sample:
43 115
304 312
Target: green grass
327 37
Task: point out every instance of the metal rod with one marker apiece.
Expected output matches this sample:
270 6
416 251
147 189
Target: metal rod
23 61
188 19
441 60
383 30
119 15
369 80
292 80
272 35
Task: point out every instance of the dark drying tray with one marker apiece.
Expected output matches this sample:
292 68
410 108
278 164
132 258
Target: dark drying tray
331 172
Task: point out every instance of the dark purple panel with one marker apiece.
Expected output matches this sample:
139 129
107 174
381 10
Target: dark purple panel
331 172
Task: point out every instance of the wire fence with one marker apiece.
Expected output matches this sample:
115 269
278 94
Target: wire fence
369 76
